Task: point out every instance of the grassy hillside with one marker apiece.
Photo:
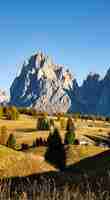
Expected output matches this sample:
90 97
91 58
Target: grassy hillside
13 163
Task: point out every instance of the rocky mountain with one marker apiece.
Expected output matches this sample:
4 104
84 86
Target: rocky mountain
44 85
52 88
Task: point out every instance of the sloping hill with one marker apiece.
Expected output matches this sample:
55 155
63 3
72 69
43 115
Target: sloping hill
13 163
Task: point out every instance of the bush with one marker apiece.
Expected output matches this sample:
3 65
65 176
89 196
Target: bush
43 123
76 142
69 137
12 113
11 141
3 135
70 134
55 153
107 119
70 125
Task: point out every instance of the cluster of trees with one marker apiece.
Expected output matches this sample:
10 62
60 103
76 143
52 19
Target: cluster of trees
39 142
60 116
55 153
9 112
43 123
88 116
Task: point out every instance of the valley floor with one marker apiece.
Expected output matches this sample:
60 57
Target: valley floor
17 163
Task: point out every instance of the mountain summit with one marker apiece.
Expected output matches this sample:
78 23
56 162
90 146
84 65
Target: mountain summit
43 84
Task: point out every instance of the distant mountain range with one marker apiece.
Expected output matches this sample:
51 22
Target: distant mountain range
50 87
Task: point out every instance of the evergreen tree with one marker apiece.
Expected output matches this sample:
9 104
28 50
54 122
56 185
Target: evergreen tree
70 134
70 125
11 141
55 153
43 123
69 137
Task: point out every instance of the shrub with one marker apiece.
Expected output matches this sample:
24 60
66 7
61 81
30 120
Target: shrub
11 141
43 123
5 110
70 125
76 142
69 137
3 135
55 153
70 134
107 119
12 113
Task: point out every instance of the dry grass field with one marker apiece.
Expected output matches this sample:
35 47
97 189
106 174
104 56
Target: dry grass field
13 163
25 128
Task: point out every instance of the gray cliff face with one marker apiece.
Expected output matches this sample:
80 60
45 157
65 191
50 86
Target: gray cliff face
49 87
42 84
90 92
103 106
95 94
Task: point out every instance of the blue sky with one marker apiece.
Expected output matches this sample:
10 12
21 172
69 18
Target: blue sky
75 33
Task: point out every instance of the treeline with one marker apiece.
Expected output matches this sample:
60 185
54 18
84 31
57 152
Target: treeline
12 113
33 112
88 116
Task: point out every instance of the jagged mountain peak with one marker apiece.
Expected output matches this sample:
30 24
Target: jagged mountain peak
44 84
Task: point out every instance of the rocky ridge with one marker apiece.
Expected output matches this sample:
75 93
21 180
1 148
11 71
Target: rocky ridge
50 87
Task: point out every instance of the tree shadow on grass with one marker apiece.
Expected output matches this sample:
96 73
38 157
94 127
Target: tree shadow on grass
73 174
96 164
100 140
